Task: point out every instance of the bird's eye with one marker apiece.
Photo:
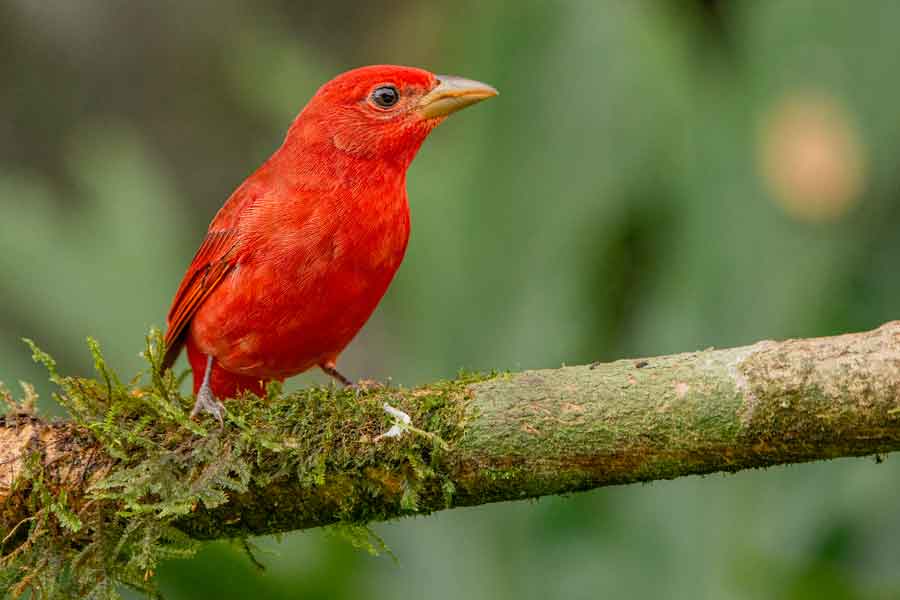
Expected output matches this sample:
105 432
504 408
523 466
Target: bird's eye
385 96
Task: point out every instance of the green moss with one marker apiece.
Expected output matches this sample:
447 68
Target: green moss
166 480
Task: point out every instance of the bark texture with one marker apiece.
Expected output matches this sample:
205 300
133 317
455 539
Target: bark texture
554 431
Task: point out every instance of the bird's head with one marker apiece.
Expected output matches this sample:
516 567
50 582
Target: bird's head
384 111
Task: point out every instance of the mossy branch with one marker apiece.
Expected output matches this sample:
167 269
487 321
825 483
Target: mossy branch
131 480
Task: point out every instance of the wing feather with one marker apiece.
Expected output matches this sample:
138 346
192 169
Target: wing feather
213 261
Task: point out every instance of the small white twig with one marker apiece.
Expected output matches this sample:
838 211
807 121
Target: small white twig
401 422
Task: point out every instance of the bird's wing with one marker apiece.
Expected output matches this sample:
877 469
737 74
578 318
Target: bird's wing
257 205
213 261
217 256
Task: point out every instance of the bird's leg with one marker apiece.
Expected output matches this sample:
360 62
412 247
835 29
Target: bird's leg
331 370
401 419
206 401
362 385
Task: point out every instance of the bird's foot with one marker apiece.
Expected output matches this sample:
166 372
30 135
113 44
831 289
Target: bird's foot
207 402
401 422
367 385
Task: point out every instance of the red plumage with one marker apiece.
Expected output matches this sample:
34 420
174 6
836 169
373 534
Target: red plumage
299 256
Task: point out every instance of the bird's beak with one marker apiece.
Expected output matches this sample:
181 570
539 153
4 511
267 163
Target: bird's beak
452 94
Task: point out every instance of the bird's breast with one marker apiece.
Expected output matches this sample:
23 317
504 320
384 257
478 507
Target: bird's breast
305 292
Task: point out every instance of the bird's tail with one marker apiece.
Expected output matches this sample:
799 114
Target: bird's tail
173 349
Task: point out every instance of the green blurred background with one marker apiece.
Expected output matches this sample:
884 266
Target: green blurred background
655 177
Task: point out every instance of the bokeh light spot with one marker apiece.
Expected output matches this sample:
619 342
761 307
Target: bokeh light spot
811 157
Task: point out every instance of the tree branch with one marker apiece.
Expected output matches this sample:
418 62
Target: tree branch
538 433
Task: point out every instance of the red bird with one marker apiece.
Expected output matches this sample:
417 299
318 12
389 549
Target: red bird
299 256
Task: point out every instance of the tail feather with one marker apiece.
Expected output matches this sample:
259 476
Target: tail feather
173 350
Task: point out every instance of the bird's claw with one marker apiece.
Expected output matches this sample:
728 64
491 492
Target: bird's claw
401 422
207 402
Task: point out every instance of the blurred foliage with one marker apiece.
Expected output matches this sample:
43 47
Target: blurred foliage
638 188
